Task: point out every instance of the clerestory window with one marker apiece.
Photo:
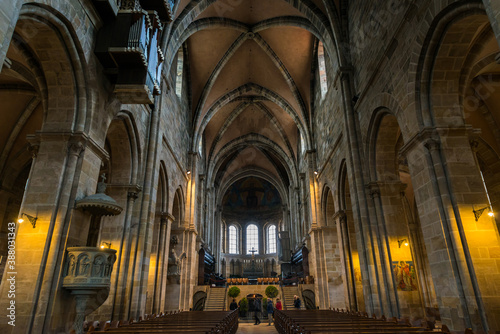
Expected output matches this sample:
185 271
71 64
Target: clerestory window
252 239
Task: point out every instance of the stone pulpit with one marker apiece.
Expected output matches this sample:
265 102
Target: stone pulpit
87 274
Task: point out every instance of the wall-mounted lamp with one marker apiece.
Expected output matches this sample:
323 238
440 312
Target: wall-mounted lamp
478 213
402 242
30 218
104 244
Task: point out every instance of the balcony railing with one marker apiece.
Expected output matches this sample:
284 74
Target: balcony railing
128 47
162 7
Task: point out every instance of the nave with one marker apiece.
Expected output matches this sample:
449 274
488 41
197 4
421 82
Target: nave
156 155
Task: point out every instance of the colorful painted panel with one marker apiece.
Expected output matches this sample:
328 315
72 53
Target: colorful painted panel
405 275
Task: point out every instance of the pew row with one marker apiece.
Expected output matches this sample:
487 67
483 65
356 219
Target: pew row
193 322
339 322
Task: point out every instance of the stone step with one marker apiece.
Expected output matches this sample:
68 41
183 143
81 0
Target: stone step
216 299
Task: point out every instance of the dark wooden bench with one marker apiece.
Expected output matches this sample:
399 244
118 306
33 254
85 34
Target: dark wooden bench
340 322
196 322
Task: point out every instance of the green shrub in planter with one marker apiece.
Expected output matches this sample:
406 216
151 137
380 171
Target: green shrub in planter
272 291
234 292
243 307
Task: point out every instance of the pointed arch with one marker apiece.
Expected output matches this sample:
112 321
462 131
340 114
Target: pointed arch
263 94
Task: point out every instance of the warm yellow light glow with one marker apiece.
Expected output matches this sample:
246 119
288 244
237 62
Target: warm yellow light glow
20 220
406 244
315 172
102 246
491 214
188 172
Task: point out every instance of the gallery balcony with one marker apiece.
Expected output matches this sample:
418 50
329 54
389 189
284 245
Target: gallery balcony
128 49
162 7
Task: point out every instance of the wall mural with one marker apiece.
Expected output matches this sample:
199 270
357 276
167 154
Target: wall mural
251 193
405 275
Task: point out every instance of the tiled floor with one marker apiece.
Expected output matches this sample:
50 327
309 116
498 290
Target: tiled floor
247 328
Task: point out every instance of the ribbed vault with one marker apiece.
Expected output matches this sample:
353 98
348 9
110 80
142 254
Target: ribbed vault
251 65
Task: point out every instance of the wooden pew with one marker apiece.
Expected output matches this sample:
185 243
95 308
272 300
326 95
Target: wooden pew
339 322
196 322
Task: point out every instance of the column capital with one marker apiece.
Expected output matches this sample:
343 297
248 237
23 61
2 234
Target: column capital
76 148
166 216
422 136
341 215
33 149
474 144
374 189
432 144
194 155
132 195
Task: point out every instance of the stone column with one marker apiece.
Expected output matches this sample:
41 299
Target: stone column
142 249
447 186
48 197
189 272
313 228
294 215
302 209
121 299
339 284
209 217
387 288
284 226
350 285
166 221
200 207
56 234
454 295
361 209
162 257
417 248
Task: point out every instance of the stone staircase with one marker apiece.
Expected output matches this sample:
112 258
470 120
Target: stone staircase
288 293
216 299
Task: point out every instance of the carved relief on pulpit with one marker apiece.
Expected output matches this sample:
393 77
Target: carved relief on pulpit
88 267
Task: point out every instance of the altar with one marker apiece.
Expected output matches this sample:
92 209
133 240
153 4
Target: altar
253 269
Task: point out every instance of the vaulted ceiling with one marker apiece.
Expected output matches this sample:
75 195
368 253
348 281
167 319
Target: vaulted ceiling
250 70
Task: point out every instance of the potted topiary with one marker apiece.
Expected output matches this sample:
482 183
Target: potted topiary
233 292
272 292
243 307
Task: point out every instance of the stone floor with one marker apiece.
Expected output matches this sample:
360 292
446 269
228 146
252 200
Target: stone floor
247 328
